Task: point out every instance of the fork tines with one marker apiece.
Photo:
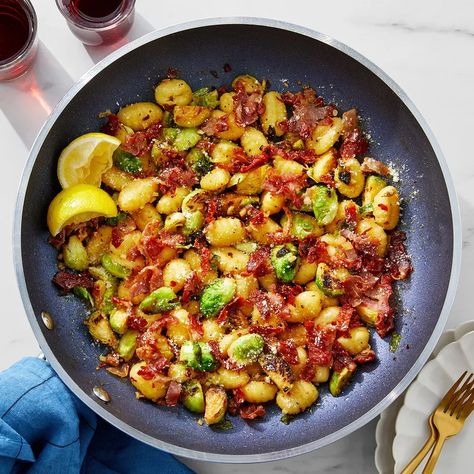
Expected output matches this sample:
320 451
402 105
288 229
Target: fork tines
459 401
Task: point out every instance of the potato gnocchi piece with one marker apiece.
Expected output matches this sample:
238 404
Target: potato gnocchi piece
298 399
274 114
225 231
140 115
386 207
170 92
136 194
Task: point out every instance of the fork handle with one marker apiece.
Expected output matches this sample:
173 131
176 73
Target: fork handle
415 462
434 455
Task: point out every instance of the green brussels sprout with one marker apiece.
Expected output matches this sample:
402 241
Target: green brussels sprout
170 134
246 349
198 356
114 267
115 220
373 185
285 262
324 204
194 222
186 139
208 362
194 201
192 396
128 344
110 285
302 225
204 98
75 254
118 320
175 220
199 161
339 380
162 299
84 294
168 119
216 295
126 161
279 371
216 405
330 280
100 330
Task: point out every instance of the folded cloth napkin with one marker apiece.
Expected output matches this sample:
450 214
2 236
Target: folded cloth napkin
44 428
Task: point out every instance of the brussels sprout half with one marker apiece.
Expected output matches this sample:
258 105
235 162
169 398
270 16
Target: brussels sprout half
216 295
285 262
324 204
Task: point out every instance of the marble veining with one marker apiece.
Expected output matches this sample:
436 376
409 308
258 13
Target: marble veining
426 46
427 28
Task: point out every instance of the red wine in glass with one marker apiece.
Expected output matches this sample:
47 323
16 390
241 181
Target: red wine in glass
95 10
18 41
97 22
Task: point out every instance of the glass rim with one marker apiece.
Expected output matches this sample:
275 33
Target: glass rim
87 25
30 13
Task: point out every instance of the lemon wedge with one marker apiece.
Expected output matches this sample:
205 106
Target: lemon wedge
78 203
86 159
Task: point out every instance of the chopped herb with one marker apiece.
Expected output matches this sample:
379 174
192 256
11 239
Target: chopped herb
204 98
199 161
365 209
223 425
168 119
215 262
115 220
287 419
127 162
84 294
395 341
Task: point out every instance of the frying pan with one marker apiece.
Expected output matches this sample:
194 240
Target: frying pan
281 53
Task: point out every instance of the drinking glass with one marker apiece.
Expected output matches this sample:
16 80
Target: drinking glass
98 22
18 39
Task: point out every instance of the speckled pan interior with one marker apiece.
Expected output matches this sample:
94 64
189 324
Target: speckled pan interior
281 54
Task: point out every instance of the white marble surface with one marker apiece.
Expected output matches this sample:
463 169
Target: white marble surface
427 46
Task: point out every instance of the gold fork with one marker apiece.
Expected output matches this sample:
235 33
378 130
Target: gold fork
449 421
451 397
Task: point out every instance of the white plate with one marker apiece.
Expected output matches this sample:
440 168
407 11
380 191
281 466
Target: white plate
421 399
385 431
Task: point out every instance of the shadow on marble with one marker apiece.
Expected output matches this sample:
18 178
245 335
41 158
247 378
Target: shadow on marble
28 100
354 454
139 28
466 277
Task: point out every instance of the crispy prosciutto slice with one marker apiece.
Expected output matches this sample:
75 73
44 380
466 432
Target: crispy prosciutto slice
398 263
252 411
319 341
213 125
173 393
354 144
139 143
259 262
370 165
68 280
377 299
288 185
247 107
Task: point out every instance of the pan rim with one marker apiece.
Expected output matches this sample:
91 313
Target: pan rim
273 455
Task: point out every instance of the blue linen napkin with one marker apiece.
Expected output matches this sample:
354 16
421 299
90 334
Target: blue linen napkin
44 428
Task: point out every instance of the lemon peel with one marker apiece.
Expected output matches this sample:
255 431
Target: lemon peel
86 159
79 203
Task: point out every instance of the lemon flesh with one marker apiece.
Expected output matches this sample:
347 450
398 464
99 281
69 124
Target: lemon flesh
86 159
78 203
